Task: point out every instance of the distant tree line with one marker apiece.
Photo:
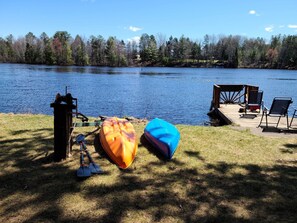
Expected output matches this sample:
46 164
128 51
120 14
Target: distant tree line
223 51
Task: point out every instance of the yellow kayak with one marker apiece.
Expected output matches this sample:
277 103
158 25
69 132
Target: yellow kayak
118 139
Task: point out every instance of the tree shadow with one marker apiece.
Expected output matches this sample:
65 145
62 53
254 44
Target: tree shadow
214 197
31 172
176 192
195 154
98 147
289 148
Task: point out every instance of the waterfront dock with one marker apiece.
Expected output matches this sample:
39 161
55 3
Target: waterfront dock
228 105
231 115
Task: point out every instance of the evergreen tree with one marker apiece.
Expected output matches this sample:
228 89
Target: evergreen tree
288 54
3 50
196 51
79 53
30 54
144 47
97 54
62 48
48 54
111 51
9 47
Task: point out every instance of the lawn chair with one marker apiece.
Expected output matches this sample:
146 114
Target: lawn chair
254 101
278 109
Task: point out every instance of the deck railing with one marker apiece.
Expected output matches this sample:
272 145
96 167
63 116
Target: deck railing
230 94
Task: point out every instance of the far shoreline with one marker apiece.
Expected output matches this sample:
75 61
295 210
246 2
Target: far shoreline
214 66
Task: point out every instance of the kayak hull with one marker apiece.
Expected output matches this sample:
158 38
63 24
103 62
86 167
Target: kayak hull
119 141
163 136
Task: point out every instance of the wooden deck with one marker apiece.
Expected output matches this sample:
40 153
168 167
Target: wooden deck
231 115
225 105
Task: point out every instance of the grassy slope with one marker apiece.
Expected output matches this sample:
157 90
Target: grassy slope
216 175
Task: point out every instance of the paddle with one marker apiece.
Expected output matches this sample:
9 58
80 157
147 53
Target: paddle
94 168
84 170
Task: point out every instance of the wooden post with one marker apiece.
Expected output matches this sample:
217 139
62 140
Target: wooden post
216 96
62 126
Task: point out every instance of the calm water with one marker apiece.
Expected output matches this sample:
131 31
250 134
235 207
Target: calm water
178 95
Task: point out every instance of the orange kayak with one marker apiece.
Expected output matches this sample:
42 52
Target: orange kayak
118 139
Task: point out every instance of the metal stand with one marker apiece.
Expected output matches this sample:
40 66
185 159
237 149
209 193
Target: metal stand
65 107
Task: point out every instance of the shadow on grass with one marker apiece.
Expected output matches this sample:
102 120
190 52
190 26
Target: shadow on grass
27 173
218 192
195 154
214 197
99 149
289 148
152 150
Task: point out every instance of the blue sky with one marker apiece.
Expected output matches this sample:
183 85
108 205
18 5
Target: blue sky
129 19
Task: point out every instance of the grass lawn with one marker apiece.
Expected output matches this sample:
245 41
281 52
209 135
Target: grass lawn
217 174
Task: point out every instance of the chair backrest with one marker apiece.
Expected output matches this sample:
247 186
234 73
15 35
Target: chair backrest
255 97
280 105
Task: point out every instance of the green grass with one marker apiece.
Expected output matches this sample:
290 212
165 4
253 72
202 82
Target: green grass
217 174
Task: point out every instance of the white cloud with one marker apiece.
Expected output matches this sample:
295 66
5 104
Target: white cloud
135 39
252 12
292 26
269 29
134 28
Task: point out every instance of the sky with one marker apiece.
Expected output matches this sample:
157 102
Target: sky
129 19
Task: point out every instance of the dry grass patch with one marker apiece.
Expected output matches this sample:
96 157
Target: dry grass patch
217 175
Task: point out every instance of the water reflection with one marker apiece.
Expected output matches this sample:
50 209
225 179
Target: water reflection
284 79
99 70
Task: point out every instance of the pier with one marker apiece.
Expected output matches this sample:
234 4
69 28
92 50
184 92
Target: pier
228 105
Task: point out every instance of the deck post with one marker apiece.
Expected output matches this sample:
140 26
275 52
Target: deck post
216 96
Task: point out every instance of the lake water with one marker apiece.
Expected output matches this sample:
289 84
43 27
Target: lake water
178 95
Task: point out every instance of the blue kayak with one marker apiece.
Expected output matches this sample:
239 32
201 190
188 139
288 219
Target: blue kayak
163 136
